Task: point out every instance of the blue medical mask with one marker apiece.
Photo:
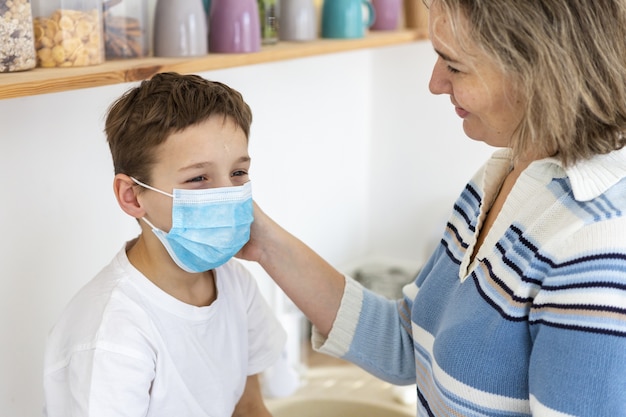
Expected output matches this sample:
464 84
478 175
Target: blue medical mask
209 226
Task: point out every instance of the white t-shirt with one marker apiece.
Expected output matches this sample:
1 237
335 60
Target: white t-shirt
124 347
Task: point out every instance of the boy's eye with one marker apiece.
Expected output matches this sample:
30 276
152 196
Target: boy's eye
197 179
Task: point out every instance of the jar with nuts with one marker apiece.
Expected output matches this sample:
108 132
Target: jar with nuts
17 47
68 33
126 29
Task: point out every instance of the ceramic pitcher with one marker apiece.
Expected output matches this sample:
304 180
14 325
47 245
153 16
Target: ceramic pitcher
346 19
298 20
234 26
387 14
180 28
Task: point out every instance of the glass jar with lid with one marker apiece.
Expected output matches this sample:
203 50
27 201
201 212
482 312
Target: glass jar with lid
68 33
17 47
125 29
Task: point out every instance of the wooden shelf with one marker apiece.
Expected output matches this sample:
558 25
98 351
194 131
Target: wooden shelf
51 80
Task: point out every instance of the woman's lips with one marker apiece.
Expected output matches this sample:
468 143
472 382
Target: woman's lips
461 112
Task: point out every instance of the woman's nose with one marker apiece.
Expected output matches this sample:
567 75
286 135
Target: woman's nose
439 83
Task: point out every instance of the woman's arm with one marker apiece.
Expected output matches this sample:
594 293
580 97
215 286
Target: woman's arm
307 279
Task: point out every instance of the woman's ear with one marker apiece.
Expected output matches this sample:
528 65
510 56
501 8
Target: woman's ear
126 194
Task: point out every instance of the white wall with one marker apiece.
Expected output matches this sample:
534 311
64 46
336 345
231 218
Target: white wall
420 159
350 152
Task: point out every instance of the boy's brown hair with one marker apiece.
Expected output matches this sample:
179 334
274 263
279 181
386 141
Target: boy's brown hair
145 116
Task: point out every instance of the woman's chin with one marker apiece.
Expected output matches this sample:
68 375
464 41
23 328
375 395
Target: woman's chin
482 137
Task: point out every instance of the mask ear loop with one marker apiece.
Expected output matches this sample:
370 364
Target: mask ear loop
150 224
154 228
150 187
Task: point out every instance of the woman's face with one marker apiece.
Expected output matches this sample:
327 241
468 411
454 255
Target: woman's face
479 91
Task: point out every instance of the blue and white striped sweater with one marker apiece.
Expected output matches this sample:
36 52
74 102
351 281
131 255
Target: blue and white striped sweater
536 325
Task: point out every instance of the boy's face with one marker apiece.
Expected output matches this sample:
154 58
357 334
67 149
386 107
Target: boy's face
211 154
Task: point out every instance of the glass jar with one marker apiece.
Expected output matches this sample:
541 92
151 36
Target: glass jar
125 29
268 16
17 47
68 33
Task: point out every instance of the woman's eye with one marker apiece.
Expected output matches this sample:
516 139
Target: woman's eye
197 179
452 69
240 173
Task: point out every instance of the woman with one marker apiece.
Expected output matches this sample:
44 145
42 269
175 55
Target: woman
521 309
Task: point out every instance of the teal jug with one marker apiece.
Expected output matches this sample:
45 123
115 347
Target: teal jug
345 18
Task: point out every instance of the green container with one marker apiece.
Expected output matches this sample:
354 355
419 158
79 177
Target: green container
268 16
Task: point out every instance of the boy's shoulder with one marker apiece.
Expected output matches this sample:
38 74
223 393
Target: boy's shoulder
108 291
102 306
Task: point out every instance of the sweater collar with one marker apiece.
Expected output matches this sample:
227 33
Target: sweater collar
592 177
589 178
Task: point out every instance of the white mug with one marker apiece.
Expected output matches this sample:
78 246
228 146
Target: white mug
297 20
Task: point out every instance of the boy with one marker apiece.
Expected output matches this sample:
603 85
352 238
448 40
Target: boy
172 326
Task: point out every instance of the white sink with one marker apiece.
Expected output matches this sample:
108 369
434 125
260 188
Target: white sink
326 407
343 391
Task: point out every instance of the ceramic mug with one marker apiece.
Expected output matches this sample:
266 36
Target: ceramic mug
298 20
180 29
387 14
234 26
344 18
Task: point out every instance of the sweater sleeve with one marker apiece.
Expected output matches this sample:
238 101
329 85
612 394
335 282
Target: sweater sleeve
371 332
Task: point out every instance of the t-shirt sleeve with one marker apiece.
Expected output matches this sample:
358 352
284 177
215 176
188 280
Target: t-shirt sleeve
100 381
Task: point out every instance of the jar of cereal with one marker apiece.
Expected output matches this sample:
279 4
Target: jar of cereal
68 33
17 48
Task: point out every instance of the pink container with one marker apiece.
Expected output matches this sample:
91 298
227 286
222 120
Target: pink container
234 26
387 14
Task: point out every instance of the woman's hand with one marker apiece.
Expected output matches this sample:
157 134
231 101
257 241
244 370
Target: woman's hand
252 250
307 279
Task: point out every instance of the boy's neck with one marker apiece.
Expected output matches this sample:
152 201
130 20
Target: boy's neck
152 260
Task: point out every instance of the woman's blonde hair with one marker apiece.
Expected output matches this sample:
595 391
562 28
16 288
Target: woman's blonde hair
568 60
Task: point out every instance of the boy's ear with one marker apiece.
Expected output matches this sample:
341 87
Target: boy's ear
125 193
